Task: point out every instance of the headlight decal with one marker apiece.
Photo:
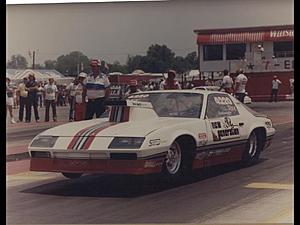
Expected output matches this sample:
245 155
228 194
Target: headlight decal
44 141
127 142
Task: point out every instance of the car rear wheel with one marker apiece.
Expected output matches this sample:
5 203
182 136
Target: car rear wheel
72 175
253 149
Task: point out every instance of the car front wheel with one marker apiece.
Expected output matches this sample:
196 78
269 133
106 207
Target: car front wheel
173 158
179 158
253 149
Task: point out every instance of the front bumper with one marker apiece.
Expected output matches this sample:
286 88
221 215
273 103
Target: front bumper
105 166
268 141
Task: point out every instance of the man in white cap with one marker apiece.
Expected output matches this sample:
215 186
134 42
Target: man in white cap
80 97
133 88
170 83
275 85
97 91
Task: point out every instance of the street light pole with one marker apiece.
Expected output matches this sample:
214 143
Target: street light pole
33 60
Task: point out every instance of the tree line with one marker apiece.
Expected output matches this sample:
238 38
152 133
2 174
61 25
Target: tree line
158 59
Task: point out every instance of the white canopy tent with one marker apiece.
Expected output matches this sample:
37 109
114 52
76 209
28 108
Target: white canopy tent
17 76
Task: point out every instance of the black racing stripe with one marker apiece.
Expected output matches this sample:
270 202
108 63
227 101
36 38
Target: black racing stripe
84 136
221 145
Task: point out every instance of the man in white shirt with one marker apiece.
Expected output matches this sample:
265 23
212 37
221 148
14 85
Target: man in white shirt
97 91
227 83
275 86
23 98
50 96
240 86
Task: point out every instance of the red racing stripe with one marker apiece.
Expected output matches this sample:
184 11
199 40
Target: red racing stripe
95 132
125 114
76 137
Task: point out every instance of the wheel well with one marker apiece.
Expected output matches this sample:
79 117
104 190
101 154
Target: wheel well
188 143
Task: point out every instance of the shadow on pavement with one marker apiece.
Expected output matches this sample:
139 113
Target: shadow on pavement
127 186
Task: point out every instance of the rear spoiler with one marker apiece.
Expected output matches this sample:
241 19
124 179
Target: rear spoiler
120 109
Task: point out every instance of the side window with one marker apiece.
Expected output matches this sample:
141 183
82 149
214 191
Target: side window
220 105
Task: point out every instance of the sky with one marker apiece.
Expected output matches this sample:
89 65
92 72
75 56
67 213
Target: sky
112 31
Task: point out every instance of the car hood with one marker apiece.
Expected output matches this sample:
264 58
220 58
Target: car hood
104 128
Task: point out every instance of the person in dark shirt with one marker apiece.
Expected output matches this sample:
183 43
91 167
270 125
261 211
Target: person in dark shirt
32 87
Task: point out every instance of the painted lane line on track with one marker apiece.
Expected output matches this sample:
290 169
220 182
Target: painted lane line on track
270 186
285 216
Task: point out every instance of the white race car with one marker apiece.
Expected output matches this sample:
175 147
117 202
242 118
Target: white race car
171 132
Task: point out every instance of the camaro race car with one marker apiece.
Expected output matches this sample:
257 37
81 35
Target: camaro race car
171 131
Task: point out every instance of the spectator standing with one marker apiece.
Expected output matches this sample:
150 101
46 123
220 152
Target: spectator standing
71 98
60 99
23 98
133 88
98 90
16 102
80 96
170 83
50 96
275 86
32 86
227 83
9 100
209 82
240 86
39 95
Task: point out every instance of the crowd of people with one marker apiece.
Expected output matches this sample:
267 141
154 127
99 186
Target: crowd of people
86 95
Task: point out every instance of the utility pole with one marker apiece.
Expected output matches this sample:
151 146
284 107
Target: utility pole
33 59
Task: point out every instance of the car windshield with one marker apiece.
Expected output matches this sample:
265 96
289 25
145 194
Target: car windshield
186 105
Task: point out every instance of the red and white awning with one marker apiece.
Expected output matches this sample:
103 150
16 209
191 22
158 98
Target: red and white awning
245 37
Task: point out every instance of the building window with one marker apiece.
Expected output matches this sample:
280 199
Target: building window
283 49
212 52
235 51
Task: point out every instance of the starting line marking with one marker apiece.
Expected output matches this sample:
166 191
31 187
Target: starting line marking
271 186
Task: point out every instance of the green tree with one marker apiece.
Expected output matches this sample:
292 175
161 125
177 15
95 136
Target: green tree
17 62
133 63
38 66
192 60
50 64
180 64
70 64
159 58
117 67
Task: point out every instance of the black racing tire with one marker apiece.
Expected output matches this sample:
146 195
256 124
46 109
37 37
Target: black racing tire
254 146
72 175
179 159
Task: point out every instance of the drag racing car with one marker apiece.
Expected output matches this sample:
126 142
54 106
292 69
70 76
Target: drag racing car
170 132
